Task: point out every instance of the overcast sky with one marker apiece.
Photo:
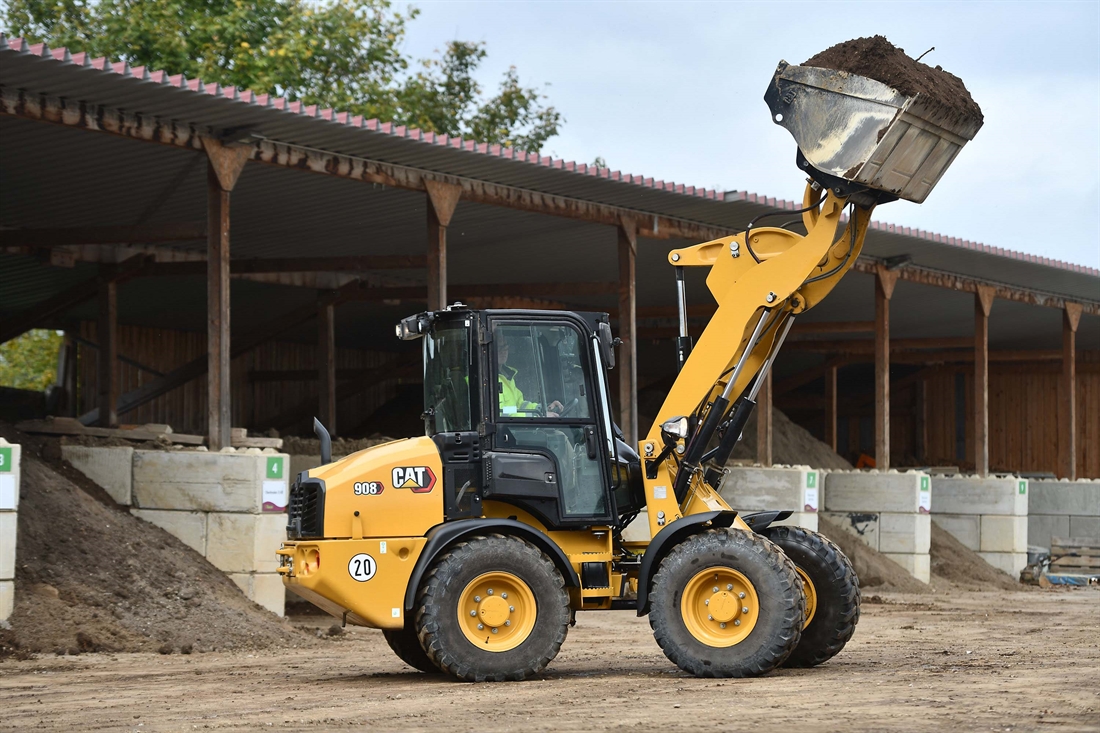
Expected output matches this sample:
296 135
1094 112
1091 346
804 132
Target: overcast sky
674 90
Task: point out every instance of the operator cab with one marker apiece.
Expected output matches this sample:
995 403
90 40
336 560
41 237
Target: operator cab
517 402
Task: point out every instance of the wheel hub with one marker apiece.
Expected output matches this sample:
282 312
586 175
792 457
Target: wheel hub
497 611
720 606
724 606
493 611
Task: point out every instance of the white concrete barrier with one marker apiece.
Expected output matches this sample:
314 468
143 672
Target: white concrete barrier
1061 508
888 511
988 514
10 456
110 467
757 488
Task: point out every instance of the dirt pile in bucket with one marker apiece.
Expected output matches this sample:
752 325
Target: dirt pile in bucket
956 563
91 577
873 569
878 59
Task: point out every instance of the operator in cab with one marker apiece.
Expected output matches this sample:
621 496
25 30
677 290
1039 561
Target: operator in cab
512 402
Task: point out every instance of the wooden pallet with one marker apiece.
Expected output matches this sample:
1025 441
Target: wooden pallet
72 426
1075 554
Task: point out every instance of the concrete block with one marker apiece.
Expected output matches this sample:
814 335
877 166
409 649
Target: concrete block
189 527
1003 534
904 533
1084 526
864 525
242 581
242 543
806 520
1009 562
8 522
874 491
966 528
268 590
109 467
755 488
7 599
209 482
10 454
917 565
1041 527
1049 496
1002 495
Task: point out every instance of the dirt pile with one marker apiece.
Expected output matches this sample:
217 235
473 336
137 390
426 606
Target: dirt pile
878 59
954 562
792 444
873 569
91 577
296 446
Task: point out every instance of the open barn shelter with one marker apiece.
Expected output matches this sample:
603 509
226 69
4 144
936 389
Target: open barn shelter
223 259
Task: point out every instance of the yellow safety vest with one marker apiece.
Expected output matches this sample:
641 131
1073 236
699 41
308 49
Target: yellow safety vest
511 399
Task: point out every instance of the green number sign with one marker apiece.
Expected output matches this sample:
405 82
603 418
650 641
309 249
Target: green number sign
275 467
5 459
1023 487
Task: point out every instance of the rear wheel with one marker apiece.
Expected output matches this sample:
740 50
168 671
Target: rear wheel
492 608
726 603
406 646
832 594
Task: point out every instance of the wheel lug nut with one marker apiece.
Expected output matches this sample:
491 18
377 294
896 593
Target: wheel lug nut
507 622
715 589
504 596
511 609
729 586
473 613
741 594
737 622
723 624
706 602
709 617
744 609
480 627
494 629
490 591
477 599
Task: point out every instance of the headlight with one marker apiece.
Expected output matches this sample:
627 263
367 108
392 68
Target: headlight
675 429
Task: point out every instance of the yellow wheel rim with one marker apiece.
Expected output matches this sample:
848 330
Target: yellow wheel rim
720 607
810 593
497 611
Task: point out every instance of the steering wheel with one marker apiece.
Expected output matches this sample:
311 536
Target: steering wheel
568 408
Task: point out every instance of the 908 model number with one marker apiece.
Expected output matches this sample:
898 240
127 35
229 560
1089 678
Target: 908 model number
368 488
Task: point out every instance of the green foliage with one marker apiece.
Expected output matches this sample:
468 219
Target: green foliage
30 361
344 54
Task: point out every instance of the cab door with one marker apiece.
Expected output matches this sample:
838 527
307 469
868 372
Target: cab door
549 454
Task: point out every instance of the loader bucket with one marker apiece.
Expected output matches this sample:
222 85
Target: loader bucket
866 132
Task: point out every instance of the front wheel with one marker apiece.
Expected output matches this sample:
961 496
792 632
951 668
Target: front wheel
726 603
406 646
831 589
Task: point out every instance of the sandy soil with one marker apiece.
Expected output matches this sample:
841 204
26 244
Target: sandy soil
949 661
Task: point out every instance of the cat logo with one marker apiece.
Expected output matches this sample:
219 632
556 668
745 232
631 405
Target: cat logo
419 479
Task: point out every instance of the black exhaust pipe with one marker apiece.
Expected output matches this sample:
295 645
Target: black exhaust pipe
326 441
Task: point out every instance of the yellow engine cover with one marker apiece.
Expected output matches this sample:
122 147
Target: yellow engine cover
390 490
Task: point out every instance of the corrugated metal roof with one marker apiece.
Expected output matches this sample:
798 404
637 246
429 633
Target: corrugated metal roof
56 72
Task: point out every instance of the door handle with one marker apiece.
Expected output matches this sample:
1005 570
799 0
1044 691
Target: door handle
590 441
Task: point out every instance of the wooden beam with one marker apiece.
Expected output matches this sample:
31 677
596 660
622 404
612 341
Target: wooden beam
107 333
764 422
77 236
983 304
830 408
442 200
262 266
1071 318
884 289
867 346
627 362
806 376
489 290
326 364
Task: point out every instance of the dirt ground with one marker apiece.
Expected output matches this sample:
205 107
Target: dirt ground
994 661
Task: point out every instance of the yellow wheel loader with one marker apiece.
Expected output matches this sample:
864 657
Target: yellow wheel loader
473 547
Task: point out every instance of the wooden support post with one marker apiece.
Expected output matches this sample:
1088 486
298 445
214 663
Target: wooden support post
920 411
983 303
1071 317
627 361
884 290
224 166
108 353
764 422
442 200
326 364
830 407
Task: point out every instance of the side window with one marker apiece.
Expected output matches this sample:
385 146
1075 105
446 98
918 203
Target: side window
540 372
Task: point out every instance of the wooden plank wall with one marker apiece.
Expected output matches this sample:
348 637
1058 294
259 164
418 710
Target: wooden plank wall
1023 418
254 403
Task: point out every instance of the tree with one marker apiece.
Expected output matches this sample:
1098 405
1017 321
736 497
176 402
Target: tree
30 361
344 54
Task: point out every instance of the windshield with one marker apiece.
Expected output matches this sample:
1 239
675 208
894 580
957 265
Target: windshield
447 378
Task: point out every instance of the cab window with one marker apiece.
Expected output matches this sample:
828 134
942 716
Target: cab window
540 372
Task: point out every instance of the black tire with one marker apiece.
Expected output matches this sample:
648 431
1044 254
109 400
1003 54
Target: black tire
779 596
406 645
835 586
437 619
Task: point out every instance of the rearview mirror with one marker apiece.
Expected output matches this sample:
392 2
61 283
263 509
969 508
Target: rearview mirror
607 344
